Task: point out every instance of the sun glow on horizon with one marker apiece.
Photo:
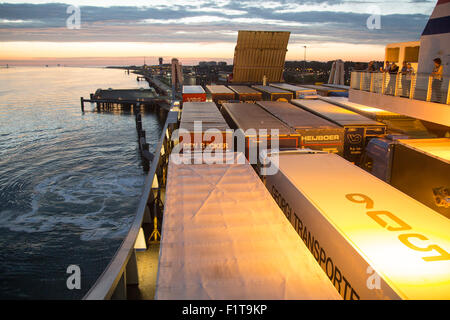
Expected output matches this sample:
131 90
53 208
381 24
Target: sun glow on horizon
34 50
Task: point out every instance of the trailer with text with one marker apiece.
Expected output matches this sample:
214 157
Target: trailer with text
198 120
372 240
358 129
316 132
251 119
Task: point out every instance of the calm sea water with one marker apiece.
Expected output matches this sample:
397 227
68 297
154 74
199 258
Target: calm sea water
69 182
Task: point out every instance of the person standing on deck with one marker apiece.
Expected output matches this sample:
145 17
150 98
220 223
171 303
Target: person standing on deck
406 72
393 70
438 70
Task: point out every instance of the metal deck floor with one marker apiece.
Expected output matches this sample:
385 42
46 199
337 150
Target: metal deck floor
148 269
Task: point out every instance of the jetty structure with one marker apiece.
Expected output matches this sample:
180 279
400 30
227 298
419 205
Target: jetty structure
299 223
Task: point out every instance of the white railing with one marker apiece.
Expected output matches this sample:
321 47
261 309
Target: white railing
414 86
122 269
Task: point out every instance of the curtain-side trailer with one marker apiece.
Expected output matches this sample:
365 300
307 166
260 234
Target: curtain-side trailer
274 94
251 118
358 129
299 92
316 132
194 94
199 118
220 93
246 94
372 240
224 238
396 123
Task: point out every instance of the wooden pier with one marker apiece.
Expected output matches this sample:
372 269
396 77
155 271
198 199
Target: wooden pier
126 99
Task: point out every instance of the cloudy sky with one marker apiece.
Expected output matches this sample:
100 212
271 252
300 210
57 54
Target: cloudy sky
116 32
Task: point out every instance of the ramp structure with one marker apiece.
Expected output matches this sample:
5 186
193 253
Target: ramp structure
259 54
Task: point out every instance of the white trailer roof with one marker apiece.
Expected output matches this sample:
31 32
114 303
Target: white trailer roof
438 148
206 112
334 113
193 89
224 237
219 89
292 88
326 180
367 111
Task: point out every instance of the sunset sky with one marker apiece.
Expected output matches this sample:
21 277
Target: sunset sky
123 32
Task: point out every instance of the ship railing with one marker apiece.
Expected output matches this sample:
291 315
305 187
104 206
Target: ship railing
422 87
122 269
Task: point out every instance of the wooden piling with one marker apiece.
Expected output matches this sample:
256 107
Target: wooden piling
82 104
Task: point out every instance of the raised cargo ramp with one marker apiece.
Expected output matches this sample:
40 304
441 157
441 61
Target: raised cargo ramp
374 241
258 54
224 238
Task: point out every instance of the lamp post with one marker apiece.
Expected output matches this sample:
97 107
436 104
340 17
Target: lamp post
305 57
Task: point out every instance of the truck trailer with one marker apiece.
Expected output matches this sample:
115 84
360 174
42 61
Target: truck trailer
194 94
246 94
197 119
251 118
373 241
220 94
316 132
358 129
327 91
299 92
396 123
223 237
274 94
418 167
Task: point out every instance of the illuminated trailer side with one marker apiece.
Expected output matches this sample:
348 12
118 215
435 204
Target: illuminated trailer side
194 94
421 169
251 119
224 238
274 94
372 240
325 91
299 92
396 123
246 94
316 132
220 94
197 120
358 129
